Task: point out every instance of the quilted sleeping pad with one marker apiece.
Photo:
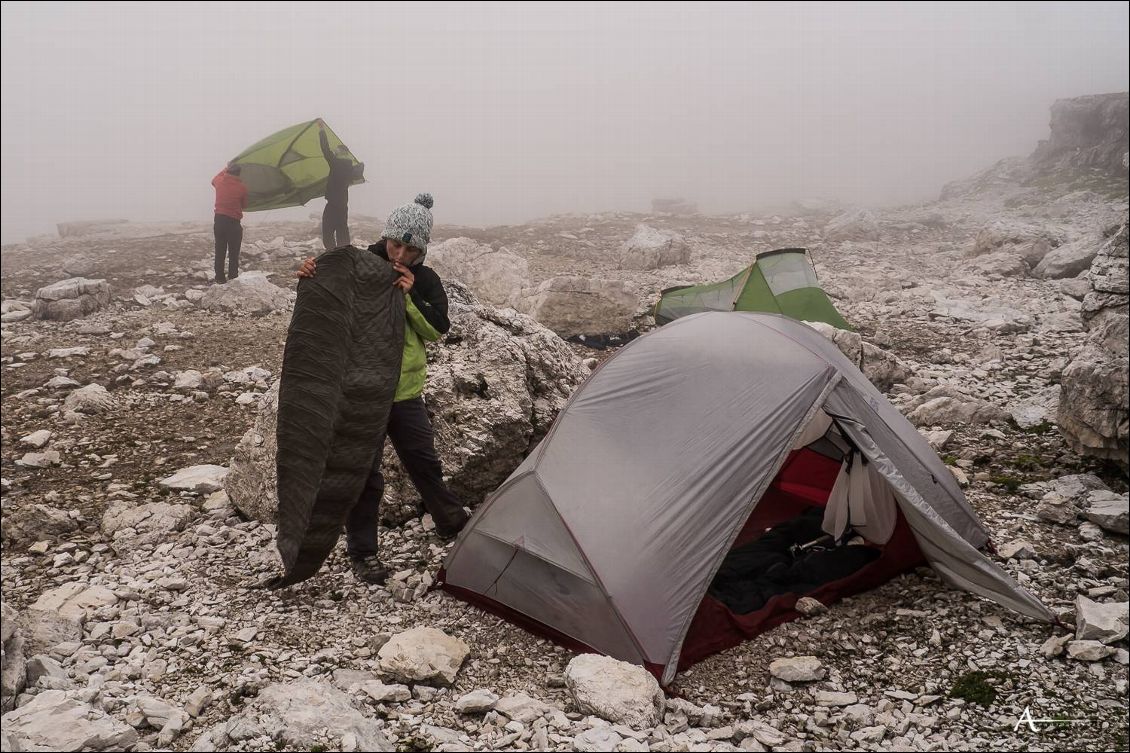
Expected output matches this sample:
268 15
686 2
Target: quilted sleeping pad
340 368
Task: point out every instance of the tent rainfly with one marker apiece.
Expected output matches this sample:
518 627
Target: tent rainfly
683 448
778 282
288 169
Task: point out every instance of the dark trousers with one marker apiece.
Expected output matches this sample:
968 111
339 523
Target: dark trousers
335 226
411 433
229 237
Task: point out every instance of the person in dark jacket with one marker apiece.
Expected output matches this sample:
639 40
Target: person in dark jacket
404 243
231 200
335 217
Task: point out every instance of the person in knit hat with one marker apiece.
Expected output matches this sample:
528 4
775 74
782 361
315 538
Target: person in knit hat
404 244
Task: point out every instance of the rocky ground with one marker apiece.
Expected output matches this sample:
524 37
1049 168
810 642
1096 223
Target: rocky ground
135 596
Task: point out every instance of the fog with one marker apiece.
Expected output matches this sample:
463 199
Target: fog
509 112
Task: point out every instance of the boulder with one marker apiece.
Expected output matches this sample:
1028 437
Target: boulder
27 524
1001 319
1069 260
1016 549
93 398
497 278
56 720
495 383
1001 264
1105 623
858 225
382 693
881 367
620 692
73 600
190 379
476 702
71 299
45 629
79 350
16 315
937 439
797 669
13 659
1094 410
581 306
1063 500
1030 242
1038 409
832 698
521 707
36 439
40 459
251 293
299 715
152 521
199 700
945 404
650 248
423 655
1109 510
78 265
1088 651
1075 287
60 383
597 740
201 479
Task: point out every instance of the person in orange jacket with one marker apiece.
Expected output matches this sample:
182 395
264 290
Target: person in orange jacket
231 200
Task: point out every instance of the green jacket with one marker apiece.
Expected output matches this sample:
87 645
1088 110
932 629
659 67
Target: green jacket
426 313
414 363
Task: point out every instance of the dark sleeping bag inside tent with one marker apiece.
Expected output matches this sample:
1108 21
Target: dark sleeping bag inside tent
340 368
791 509
776 563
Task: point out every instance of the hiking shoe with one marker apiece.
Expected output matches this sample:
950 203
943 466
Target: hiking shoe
447 534
220 280
369 569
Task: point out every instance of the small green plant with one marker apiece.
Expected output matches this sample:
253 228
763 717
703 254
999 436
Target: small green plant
1028 462
975 687
1011 483
1041 428
949 459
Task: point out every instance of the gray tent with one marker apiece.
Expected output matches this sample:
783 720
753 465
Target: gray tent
607 537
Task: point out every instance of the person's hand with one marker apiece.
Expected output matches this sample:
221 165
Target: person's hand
406 279
307 269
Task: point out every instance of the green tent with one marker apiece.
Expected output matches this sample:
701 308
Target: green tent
781 282
287 168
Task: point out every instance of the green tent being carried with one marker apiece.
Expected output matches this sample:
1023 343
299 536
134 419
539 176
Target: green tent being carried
779 282
287 168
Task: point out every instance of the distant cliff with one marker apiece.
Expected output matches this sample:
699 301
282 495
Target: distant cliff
1087 149
1087 132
